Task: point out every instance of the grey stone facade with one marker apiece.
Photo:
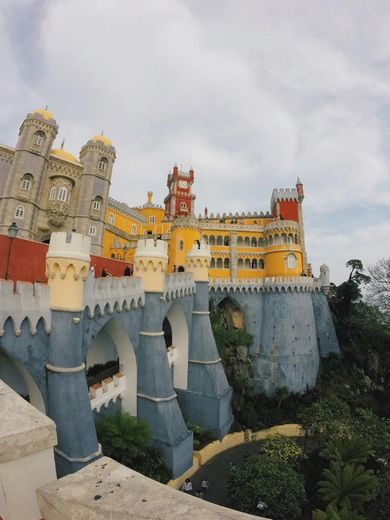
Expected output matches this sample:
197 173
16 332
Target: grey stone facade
44 189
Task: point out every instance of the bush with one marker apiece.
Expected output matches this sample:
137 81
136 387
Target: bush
270 480
150 462
282 448
201 437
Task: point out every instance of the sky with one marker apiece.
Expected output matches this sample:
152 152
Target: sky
250 93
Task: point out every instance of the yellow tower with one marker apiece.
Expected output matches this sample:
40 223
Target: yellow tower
150 263
184 233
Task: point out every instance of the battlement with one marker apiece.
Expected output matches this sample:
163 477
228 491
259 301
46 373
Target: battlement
200 250
283 194
178 284
149 247
28 302
276 284
69 245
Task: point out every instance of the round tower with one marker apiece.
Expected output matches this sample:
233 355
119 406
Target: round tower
21 197
185 232
97 157
198 262
325 278
150 263
67 264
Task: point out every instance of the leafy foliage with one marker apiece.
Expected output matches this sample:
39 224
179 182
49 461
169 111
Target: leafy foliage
332 513
282 448
202 437
347 485
150 462
346 450
270 480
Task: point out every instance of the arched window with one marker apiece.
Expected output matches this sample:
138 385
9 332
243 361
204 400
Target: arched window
226 263
290 238
296 240
240 263
284 238
261 263
226 241
219 263
52 193
276 239
111 220
183 205
97 203
239 241
102 164
19 211
205 239
219 240
270 240
212 263
38 138
134 229
261 242
291 261
247 241
254 242
212 240
27 181
254 263
62 194
247 263
152 219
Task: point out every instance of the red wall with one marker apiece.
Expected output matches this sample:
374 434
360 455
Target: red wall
27 261
289 210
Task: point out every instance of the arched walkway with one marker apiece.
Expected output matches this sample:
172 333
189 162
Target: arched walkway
113 344
16 375
177 333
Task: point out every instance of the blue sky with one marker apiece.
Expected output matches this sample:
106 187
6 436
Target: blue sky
251 93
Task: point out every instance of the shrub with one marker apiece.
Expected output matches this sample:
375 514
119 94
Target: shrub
282 448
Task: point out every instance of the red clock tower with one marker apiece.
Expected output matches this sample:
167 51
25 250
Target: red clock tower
179 202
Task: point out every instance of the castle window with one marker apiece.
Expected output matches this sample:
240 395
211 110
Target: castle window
181 245
205 239
152 220
62 194
19 211
261 263
247 241
219 240
212 240
285 240
291 261
240 263
111 220
26 182
254 242
97 203
226 241
134 229
239 241
102 164
226 263
219 263
254 264
212 263
183 205
261 242
38 138
247 263
92 230
52 193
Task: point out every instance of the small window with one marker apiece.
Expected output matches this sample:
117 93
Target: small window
183 205
26 182
291 261
52 193
19 212
62 194
92 230
102 164
134 229
226 263
212 263
219 263
152 219
261 263
219 240
226 241
111 220
240 263
96 204
181 245
38 138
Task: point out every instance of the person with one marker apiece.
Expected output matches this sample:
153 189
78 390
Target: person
105 273
127 271
92 270
205 485
187 486
174 268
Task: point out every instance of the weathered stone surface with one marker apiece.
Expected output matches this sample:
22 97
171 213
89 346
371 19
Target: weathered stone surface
107 490
23 429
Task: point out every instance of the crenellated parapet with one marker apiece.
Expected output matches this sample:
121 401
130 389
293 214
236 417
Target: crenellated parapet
112 294
283 194
150 263
274 284
28 302
67 263
178 285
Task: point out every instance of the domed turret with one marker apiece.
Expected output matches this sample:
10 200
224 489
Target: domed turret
63 154
43 112
102 139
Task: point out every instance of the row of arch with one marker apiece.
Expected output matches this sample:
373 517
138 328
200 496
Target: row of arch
284 238
247 263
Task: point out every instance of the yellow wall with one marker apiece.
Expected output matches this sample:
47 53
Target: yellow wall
177 256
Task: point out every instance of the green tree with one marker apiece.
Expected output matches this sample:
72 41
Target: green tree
270 480
345 450
379 285
347 485
282 448
334 514
122 437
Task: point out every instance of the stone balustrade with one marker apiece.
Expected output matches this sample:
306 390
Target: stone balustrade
100 394
178 284
272 284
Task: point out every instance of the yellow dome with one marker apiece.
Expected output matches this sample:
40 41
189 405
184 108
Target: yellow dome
63 154
103 139
44 113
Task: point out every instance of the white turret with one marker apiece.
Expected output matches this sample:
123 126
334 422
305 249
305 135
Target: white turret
150 263
198 261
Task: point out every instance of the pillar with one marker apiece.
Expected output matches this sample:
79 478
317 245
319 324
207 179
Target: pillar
156 399
207 401
67 263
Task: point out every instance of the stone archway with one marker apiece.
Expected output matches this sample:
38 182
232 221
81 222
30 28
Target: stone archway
112 347
15 374
176 333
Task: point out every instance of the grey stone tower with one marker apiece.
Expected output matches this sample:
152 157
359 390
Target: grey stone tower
27 174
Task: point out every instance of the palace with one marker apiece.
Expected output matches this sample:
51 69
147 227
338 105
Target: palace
44 190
